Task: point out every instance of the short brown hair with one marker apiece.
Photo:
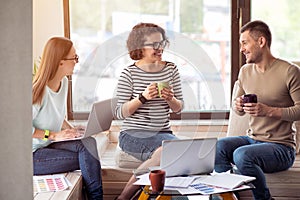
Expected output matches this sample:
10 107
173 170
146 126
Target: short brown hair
258 28
137 38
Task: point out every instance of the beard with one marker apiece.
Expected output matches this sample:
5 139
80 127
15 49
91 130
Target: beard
254 57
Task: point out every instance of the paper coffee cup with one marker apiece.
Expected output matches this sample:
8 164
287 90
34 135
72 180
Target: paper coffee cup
162 85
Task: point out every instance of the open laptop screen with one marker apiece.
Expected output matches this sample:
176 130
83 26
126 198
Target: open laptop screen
188 156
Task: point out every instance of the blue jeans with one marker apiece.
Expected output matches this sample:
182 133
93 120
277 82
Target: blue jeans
68 156
253 158
141 143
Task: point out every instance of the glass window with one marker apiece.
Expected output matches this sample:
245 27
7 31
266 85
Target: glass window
199 34
283 20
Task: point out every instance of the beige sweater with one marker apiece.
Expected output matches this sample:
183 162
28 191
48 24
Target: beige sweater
279 86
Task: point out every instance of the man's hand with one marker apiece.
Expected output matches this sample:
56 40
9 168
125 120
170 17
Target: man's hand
238 104
262 110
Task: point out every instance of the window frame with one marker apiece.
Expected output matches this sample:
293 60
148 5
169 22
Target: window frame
240 14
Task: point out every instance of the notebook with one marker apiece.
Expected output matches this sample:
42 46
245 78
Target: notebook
100 118
188 156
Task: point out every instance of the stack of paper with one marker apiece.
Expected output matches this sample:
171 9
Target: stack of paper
226 180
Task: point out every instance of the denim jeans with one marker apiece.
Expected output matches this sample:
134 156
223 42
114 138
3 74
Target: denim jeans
253 158
141 143
60 157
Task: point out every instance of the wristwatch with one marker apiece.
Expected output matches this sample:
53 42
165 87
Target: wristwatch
142 98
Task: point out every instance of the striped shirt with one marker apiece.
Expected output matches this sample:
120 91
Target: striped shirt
154 115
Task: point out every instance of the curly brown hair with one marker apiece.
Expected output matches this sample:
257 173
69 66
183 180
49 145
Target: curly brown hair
137 38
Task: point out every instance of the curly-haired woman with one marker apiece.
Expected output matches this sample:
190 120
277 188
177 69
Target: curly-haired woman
146 114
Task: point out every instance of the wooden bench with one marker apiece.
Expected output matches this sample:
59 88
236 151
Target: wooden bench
75 191
72 193
114 178
286 184
283 185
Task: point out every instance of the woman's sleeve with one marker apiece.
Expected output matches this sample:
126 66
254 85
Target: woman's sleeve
177 84
124 91
35 111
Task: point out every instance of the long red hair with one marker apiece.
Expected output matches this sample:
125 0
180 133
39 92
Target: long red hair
55 50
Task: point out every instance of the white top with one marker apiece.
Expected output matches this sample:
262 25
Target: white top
50 114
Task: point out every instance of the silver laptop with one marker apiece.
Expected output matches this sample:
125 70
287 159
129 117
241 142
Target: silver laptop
100 118
188 156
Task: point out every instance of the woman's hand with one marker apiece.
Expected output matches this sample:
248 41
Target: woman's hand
65 134
167 93
151 91
80 128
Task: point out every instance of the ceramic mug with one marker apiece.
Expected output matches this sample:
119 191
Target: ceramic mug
250 98
162 85
157 179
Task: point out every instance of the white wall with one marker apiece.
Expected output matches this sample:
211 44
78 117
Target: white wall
47 22
15 99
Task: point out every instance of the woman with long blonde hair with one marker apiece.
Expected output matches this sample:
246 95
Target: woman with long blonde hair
49 124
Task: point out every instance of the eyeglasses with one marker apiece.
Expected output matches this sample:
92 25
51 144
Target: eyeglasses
157 45
76 58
